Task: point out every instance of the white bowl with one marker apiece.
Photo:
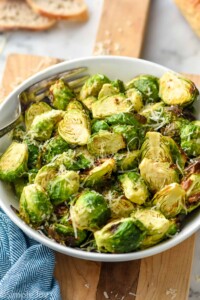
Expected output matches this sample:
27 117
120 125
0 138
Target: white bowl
114 67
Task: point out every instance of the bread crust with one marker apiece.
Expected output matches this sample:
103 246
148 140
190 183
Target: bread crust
9 19
81 15
191 11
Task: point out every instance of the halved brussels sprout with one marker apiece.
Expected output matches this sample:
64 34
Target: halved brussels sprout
157 174
13 163
60 95
56 145
154 224
98 175
134 187
121 207
127 160
19 184
170 200
75 128
178 156
18 133
42 126
64 233
130 135
108 90
90 211
98 125
33 152
156 148
177 90
35 206
153 112
63 186
136 98
119 236
45 175
89 101
123 119
93 85
35 110
148 85
190 138
105 143
111 105
191 185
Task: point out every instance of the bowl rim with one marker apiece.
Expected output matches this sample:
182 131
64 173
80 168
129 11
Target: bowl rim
74 252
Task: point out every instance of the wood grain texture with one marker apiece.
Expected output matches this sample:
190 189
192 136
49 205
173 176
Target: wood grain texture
148 279
122 27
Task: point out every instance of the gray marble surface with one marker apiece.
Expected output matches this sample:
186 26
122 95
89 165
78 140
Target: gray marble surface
168 41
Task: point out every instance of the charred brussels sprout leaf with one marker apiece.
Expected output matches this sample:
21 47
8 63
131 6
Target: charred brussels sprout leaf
56 145
177 90
60 95
111 105
148 85
190 138
75 128
35 206
134 187
154 224
45 174
35 110
63 186
157 174
105 143
98 175
98 125
127 160
120 236
65 233
43 125
13 163
170 200
93 85
130 135
90 211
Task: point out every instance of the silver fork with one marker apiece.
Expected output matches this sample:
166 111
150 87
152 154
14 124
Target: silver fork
75 78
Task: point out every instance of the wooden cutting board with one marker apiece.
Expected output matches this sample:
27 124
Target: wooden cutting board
161 277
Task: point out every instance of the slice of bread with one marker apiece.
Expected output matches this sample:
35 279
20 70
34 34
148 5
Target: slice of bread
16 14
191 11
61 9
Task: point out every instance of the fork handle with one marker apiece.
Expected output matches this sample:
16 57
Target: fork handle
8 127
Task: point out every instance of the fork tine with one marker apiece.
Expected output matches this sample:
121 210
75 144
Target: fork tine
40 90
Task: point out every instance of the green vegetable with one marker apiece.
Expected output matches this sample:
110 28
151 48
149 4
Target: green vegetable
35 110
60 94
93 85
56 145
190 138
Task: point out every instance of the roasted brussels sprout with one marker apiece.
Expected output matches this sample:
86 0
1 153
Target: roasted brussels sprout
75 128
105 143
154 223
191 185
63 186
177 90
45 174
190 138
127 160
170 200
157 174
148 85
90 211
153 112
120 236
33 152
19 184
134 187
35 206
173 129
64 233
98 125
136 98
42 126
60 95
98 175
93 85
89 101
13 163
56 145
130 135
108 90
18 133
123 119
111 105
35 110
